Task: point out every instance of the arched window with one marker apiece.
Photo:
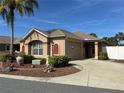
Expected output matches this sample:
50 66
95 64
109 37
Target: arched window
36 48
23 49
55 49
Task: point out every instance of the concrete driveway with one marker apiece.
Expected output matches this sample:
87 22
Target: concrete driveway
95 73
103 74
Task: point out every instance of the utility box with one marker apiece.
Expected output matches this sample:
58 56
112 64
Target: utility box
36 62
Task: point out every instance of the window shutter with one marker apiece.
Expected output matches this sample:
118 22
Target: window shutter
55 49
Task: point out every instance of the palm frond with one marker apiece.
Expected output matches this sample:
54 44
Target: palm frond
28 10
35 3
20 9
5 2
26 6
5 16
1 8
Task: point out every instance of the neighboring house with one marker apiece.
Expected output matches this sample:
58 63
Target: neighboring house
5 43
56 42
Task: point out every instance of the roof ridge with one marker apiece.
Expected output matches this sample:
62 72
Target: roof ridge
9 36
4 36
85 36
83 33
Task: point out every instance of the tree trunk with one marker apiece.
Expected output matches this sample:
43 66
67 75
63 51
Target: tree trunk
12 41
12 35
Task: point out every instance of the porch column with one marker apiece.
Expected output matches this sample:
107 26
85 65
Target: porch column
27 49
51 49
96 50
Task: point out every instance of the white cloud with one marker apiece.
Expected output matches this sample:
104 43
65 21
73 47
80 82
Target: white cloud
91 22
95 22
47 21
42 20
88 3
22 25
81 4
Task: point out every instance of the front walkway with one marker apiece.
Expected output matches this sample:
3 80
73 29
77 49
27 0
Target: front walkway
95 73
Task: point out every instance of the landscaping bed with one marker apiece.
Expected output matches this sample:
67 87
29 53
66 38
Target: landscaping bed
37 71
27 65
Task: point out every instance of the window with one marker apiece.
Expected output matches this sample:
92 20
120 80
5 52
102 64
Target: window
37 48
8 47
55 49
23 49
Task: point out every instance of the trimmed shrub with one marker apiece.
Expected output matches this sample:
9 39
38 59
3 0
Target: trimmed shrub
4 57
59 61
103 56
43 60
19 54
28 59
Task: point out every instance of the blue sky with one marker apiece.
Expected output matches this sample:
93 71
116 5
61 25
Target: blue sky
103 17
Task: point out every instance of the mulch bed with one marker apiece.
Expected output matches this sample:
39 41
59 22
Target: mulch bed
27 70
119 61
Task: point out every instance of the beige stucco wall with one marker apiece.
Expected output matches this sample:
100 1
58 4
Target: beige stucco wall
74 49
35 36
61 45
32 37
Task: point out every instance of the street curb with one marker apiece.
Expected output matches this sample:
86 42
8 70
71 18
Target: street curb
39 79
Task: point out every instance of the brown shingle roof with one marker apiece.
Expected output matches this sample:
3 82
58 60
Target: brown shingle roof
61 33
17 40
7 40
83 36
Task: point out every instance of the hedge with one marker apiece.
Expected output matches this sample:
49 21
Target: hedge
59 61
103 56
5 56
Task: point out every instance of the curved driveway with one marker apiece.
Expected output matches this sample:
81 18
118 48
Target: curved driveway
96 73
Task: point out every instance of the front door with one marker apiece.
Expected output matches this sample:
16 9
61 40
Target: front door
89 50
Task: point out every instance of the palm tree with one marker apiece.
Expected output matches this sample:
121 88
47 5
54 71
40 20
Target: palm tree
110 41
8 8
93 34
120 37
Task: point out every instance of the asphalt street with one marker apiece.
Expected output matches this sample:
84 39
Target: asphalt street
22 86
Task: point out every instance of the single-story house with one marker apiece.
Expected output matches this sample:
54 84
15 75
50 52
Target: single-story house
5 42
56 42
